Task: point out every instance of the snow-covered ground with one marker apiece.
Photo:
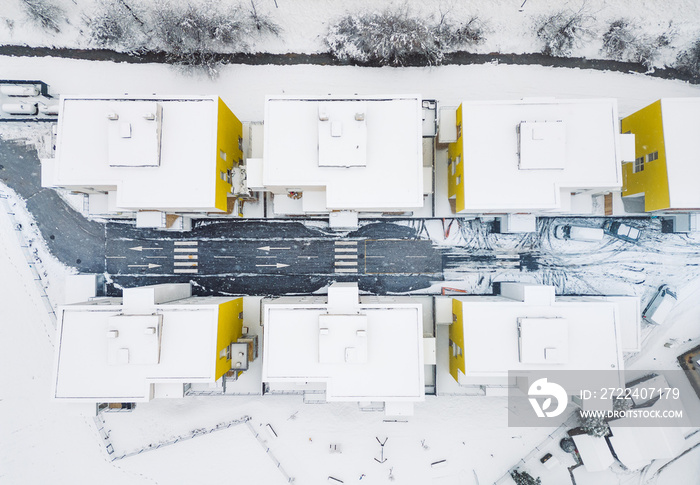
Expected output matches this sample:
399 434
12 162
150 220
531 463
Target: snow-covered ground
244 87
42 441
510 25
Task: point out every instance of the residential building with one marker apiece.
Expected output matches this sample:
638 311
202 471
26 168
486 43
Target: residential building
348 348
162 160
667 156
540 156
151 343
527 328
342 156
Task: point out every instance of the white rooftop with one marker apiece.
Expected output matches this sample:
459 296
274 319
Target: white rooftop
353 152
594 451
528 328
156 152
530 154
637 445
113 352
362 351
681 123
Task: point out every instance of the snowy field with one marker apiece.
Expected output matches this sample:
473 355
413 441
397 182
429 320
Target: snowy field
46 442
510 25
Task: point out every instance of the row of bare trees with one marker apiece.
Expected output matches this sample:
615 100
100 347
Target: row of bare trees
196 33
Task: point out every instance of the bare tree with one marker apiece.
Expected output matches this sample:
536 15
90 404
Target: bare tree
196 35
626 41
262 22
455 35
563 31
396 37
45 13
119 25
688 60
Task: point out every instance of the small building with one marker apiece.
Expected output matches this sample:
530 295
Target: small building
162 160
539 156
345 348
666 167
342 156
148 344
527 328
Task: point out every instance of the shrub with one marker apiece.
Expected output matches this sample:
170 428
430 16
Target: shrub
593 425
524 478
117 24
563 31
44 13
391 37
688 61
195 35
624 42
196 28
261 21
469 33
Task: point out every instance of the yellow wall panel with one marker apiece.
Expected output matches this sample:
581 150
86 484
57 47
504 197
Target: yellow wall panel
647 127
457 336
229 330
456 152
229 130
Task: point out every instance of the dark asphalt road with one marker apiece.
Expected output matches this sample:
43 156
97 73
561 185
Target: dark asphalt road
272 258
320 255
76 241
287 257
223 257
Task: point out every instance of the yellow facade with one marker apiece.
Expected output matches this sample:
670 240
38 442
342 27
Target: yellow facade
455 169
229 145
647 127
456 354
230 329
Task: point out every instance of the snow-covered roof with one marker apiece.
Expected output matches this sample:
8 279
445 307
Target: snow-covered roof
595 452
528 328
356 152
636 446
681 122
113 352
362 351
156 152
530 154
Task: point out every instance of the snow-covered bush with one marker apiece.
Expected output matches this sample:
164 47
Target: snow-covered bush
194 35
45 13
197 34
593 425
524 478
455 35
261 21
190 28
688 61
563 31
626 41
117 24
391 37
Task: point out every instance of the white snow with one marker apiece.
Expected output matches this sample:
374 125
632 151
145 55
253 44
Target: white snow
510 25
372 363
43 441
91 153
682 152
89 367
381 166
501 334
521 155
